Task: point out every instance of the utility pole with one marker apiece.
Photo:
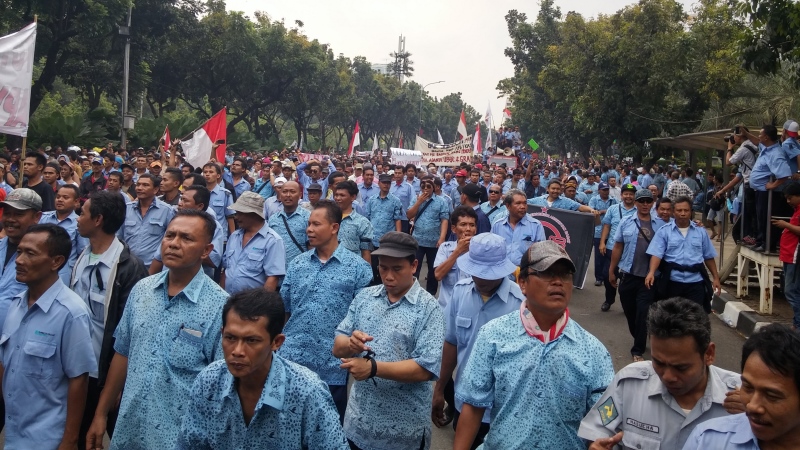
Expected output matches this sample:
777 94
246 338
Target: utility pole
126 122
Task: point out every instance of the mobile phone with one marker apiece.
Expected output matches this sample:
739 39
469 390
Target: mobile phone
736 130
220 141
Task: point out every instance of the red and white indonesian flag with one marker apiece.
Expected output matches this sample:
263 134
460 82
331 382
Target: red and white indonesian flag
462 126
197 150
356 141
506 114
166 138
16 74
476 140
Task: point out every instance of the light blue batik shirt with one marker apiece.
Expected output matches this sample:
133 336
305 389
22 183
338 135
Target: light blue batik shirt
386 414
382 213
318 295
428 225
167 343
295 411
356 233
538 393
298 222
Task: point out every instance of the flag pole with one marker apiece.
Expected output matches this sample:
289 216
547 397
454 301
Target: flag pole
25 138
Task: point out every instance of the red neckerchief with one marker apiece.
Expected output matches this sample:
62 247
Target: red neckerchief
532 328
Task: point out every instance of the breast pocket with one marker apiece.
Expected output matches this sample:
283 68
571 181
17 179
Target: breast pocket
632 439
254 263
38 360
155 227
574 401
463 329
219 208
629 236
186 351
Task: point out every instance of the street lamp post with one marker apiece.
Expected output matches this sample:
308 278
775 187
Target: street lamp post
421 95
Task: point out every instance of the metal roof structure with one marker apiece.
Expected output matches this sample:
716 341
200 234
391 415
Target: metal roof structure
703 140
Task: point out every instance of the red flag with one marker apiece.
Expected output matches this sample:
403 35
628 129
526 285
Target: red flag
356 141
166 138
197 150
462 126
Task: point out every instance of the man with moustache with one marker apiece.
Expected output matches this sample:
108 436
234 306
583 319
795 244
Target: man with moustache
291 222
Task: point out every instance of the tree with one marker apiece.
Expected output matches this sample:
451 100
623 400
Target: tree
402 65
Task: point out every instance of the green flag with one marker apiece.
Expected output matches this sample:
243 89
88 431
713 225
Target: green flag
533 144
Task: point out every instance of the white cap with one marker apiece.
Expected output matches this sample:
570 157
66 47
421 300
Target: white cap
280 181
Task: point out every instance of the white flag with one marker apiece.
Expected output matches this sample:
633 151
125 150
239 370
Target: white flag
489 139
441 141
374 142
476 140
16 74
487 119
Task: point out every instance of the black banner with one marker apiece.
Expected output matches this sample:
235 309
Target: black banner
572 230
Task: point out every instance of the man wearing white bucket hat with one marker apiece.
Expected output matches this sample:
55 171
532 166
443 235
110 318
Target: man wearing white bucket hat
487 295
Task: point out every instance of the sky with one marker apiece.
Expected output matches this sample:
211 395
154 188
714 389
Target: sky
455 41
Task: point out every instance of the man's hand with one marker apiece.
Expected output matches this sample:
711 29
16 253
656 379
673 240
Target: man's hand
440 242
424 197
602 248
612 279
437 409
606 443
357 341
780 223
359 368
94 437
717 285
463 245
649 280
733 402
772 185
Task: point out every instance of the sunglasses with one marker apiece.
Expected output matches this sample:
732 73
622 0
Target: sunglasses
646 201
495 192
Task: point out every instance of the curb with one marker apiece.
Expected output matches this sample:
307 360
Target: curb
737 315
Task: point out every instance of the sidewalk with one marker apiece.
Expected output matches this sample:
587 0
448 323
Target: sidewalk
741 313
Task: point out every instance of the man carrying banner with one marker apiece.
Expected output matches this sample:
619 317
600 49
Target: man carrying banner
518 229
555 200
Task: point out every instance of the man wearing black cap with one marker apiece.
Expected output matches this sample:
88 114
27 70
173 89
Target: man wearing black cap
471 196
393 332
314 194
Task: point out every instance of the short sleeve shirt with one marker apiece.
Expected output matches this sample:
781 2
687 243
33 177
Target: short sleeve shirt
143 234
167 343
356 233
453 276
427 226
295 411
519 238
248 267
382 213
613 217
318 295
670 245
514 374
409 329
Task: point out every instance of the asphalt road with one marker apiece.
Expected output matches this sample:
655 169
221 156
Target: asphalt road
612 330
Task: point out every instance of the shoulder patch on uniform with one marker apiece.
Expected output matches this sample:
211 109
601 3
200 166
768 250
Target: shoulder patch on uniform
608 411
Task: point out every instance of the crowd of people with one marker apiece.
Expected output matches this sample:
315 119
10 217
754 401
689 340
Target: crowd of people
229 306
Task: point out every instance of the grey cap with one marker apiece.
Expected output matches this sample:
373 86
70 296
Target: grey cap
397 245
249 202
23 199
542 255
314 187
644 193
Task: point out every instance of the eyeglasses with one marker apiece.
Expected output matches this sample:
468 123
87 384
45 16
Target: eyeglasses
495 192
646 201
548 276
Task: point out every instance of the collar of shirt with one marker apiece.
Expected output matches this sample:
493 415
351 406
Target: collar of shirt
273 393
501 293
569 331
714 393
72 216
154 204
411 296
111 254
191 291
337 254
45 301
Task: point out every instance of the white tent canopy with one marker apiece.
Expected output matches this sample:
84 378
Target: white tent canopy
404 156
